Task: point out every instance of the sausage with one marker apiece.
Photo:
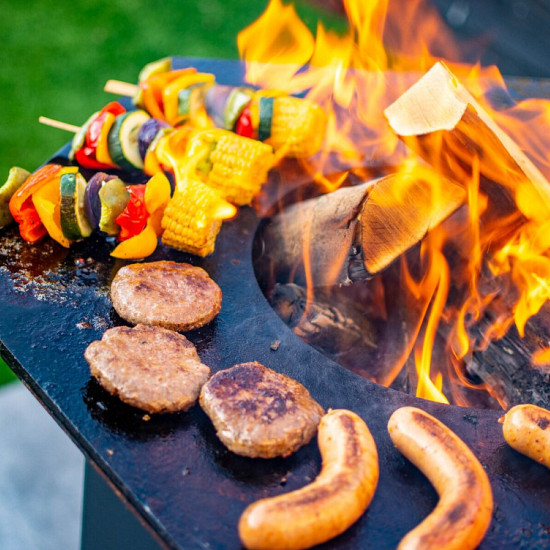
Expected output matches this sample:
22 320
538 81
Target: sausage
463 513
526 429
331 503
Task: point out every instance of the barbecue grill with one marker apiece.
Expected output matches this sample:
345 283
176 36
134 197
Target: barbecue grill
171 470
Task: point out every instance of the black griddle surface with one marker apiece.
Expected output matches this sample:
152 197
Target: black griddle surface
171 469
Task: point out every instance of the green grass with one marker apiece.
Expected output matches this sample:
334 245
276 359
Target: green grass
56 56
6 375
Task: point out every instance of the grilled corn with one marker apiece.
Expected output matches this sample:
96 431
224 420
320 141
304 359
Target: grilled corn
193 218
235 166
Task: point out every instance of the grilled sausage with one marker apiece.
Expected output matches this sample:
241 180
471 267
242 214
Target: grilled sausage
463 513
330 504
526 429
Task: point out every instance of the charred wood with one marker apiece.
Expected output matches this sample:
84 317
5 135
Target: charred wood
440 120
506 367
356 232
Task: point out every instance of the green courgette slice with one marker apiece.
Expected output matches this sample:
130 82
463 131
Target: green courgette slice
80 137
123 140
74 223
236 102
16 178
266 116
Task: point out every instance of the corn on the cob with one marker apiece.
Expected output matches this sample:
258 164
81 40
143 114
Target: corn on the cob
235 166
297 127
193 218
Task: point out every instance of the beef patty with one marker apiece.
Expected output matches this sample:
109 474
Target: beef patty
258 412
148 367
172 295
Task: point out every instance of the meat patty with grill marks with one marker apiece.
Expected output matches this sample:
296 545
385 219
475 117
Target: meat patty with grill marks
172 295
148 367
258 412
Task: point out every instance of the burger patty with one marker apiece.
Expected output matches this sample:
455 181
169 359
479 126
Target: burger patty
148 367
258 412
172 295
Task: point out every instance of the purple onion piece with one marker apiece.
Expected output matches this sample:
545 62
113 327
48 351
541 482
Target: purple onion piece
92 203
215 100
148 132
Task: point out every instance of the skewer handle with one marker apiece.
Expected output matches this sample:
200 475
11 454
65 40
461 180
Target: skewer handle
121 88
58 124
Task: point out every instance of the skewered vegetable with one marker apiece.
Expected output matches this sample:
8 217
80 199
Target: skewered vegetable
48 206
123 140
193 218
212 166
16 177
148 132
156 196
72 187
234 166
114 197
21 204
295 126
133 218
93 138
92 203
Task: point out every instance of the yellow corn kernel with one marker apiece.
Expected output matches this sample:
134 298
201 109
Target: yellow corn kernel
297 127
193 217
235 166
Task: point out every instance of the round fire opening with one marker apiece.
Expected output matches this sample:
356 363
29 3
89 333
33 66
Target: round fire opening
375 325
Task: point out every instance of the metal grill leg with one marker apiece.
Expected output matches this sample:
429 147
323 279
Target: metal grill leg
107 524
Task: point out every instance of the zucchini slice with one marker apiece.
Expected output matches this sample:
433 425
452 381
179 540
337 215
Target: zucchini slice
123 140
238 99
79 138
266 116
74 224
16 178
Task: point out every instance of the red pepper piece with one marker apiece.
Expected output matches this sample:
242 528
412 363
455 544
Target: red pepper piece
31 228
114 107
86 158
134 217
244 124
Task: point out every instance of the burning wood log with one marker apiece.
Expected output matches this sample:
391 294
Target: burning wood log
354 233
438 118
506 365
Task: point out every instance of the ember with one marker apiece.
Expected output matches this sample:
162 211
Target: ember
448 253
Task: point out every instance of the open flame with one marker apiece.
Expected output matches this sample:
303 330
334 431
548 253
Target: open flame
354 77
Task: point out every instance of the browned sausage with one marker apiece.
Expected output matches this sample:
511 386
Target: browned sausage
463 513
329 505
526 429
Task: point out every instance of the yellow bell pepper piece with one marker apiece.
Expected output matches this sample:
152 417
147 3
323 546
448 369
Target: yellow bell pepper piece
170 95
157 192
138 246
46 200
102 150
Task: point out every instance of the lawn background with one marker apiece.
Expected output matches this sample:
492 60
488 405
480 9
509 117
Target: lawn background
55 58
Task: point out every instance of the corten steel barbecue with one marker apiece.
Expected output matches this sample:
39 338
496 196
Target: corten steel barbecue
171 469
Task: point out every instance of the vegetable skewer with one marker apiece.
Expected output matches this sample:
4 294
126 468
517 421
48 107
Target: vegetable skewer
294 126
234 166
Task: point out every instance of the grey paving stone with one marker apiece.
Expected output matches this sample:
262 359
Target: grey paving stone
41 477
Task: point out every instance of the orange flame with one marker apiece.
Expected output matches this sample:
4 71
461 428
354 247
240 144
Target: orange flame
354 77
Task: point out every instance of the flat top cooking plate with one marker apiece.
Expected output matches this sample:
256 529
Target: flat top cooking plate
172 469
